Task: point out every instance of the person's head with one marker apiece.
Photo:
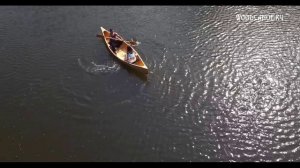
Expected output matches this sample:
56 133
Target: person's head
129 49
111 31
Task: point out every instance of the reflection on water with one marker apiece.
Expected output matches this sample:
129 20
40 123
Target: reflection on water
218 89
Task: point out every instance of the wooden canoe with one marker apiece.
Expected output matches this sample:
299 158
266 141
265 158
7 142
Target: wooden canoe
121 53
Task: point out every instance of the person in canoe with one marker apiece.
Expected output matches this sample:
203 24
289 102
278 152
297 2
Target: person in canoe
115 40
131 58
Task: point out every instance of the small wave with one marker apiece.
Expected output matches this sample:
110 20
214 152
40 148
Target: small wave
92 67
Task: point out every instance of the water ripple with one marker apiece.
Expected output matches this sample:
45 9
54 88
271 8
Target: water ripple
242 85
92 67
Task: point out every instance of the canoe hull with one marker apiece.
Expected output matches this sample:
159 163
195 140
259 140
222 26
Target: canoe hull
139 66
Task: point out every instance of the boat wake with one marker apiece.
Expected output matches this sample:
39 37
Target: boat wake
92 67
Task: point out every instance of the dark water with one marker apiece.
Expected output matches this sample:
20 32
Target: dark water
218 89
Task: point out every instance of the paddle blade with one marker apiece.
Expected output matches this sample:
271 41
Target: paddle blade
134 42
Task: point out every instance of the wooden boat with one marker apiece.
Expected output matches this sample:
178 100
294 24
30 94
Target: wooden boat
121 53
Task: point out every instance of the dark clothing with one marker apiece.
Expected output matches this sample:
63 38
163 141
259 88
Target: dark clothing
114 35
114 43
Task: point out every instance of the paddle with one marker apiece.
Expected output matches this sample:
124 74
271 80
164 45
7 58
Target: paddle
131 42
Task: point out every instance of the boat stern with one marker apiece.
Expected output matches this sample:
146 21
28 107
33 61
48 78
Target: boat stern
145 69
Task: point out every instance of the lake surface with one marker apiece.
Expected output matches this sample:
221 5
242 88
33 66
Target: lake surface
219 89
